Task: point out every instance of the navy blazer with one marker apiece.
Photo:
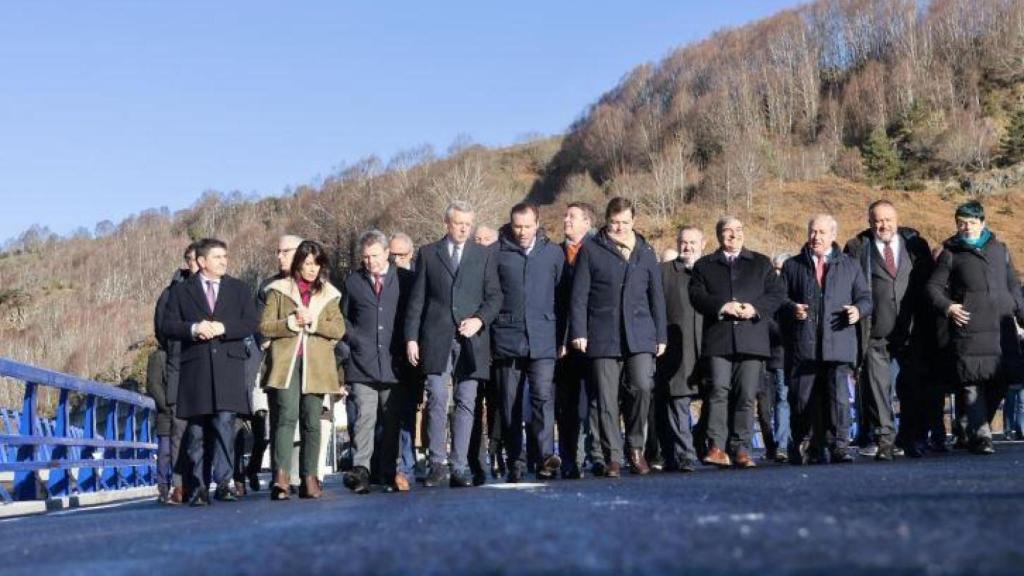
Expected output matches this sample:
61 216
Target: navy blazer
844 286
613 297
373 326
212 376
750 279
441 298
526 326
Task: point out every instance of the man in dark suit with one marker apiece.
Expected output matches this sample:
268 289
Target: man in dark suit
402 250
679 374
525 337
372 306
618 319
737 291
826 297
575 396
896 262
454 299
211 314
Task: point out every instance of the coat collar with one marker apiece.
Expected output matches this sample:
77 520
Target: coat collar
507 244
602 240
719 255
317 303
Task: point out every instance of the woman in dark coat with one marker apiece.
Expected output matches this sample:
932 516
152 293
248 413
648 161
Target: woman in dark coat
975 285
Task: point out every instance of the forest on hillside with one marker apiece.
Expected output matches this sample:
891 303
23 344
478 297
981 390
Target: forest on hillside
836 97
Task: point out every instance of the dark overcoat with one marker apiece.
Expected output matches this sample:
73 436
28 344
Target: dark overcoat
373 326
825 335
750 279
442 297
618 305
677 369
527 326
212 372
984 281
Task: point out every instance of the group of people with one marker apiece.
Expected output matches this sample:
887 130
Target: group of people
519 354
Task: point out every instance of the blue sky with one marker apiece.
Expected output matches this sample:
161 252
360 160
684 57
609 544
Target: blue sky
108 108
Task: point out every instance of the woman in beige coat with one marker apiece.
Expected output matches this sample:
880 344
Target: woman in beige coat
302 321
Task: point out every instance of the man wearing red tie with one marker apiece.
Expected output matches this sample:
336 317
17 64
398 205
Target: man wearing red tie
211 314
827 296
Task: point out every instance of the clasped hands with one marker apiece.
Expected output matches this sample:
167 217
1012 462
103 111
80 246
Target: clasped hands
209 329
740 310
852 313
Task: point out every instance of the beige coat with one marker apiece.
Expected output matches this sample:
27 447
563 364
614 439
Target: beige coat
279 327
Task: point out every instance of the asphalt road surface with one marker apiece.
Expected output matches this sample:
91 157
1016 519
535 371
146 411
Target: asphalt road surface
943 514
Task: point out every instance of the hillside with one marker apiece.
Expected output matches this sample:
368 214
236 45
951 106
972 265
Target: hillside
823 108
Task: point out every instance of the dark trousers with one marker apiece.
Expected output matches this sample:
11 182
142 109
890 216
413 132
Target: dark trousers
981 400
407 425
607 373
656 440
485 438
819 401
251 441
512 379
676 424
178 452
765 401
735 381
211 438
260 442
570 408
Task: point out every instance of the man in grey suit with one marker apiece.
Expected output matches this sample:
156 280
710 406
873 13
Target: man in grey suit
896 262
678 373
455 297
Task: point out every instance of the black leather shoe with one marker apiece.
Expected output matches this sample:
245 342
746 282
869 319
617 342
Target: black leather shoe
479 478
357 480
254 481
839 456
572 473
515 473
461 479
437 476
983 446
885 453
201 497
687 466
915 450
225 494
599 469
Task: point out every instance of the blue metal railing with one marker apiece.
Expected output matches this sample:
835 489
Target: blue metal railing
123 456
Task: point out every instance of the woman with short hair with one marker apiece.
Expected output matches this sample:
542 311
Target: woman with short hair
975 285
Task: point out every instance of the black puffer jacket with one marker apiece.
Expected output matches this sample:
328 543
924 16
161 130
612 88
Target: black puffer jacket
984 281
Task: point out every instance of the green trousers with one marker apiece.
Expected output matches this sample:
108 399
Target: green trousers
293 407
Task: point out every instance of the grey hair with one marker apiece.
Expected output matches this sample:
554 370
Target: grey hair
722 222
781 258
828 218
457 206
373 237
402 237
290 238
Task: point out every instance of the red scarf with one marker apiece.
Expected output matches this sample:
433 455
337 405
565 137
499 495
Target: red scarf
305 294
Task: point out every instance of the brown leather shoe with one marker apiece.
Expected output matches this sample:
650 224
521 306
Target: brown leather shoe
717 457
401 483
279 490
614 470
743 460
637 463
177 494
310 488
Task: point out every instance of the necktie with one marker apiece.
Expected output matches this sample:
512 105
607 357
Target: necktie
819 271
211 296
378 285
890 259
455 257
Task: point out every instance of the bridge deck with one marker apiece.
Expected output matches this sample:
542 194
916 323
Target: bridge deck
943 514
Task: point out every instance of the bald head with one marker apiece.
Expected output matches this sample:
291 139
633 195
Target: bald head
485 235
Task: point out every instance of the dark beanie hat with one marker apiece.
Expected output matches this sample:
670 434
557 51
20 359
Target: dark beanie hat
972 209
